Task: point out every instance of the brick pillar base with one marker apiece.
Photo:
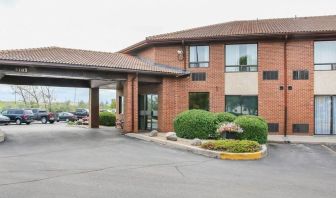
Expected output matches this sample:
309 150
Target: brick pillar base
131 104
94 108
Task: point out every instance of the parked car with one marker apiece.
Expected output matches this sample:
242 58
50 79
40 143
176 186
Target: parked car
81 113
86 120
43 116
4 119
19 116
66 116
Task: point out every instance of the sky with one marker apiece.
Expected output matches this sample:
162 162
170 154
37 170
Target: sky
109 25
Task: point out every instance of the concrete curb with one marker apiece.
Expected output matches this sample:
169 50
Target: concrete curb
200 151
2 136
302 140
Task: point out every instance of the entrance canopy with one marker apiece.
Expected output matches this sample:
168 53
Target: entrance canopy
54 66
63 67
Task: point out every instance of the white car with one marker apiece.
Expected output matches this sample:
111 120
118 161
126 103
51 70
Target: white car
4 120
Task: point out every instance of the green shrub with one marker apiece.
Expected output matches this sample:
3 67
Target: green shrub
196 124
255 128
225 117
107 119
232 146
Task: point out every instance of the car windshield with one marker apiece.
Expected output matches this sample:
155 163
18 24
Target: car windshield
28 112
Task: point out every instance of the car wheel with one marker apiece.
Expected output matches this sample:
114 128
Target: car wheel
67 120
44 120
28 123
18 121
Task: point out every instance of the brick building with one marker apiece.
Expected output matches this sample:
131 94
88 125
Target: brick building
281 69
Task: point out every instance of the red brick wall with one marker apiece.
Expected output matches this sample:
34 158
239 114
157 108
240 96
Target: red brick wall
148 53
301 99
270 97
173 92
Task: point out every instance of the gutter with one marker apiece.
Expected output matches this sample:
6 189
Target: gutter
86 67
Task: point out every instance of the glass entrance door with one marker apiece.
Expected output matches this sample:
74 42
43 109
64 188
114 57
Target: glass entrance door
148 111
325 115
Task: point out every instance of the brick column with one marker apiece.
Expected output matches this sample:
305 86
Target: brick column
94 108
131 104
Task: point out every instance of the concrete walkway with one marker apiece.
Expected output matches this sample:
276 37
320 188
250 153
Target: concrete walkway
317 139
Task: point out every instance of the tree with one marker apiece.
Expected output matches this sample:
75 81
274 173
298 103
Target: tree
48 95
21 91
113 104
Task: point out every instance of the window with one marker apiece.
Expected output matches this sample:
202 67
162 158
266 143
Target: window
199 100
247 105
300 128
121 105
273 127
199 56
241 58
270 75
325 55
301 75
198 76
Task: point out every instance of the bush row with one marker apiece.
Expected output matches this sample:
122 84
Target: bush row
203 124
232 146
107 119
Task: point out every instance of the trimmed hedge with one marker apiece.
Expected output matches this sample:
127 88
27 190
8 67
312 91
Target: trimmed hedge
107 119
232 146
255 128
196 124
225 117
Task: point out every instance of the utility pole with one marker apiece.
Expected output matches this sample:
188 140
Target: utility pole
75 98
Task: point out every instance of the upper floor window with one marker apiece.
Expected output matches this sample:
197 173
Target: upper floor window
198 76
270 75
241 58
325 55
199 56
300 75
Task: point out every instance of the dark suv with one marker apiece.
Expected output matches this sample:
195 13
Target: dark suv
19 116
81 113
43 116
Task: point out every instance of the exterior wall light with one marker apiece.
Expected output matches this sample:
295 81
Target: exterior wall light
180 55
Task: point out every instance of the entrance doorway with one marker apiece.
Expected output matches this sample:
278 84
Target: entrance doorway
325 115
148 111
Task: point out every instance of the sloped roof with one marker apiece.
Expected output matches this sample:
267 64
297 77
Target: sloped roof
248 28
86 59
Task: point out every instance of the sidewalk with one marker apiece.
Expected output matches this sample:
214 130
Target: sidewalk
321 139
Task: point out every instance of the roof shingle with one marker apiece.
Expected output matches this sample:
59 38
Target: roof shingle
245 29
93 59
255 27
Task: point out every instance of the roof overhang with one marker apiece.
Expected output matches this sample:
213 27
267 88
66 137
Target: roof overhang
232 38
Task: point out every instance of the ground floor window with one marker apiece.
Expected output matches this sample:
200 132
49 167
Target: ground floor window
199 100
325 115
242 105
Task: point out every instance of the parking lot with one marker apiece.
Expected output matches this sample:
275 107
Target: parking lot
62 161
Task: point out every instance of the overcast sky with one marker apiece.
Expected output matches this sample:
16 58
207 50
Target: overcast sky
109 25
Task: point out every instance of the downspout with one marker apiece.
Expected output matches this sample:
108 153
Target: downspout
285 88
184 56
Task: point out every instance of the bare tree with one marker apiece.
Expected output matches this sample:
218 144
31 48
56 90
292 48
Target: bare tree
21 91
48 94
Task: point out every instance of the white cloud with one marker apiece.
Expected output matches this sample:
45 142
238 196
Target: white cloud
112 25
108 25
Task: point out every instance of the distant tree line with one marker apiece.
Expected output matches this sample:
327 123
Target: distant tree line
44 97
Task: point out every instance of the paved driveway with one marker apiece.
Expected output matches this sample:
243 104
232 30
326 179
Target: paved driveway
60 161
